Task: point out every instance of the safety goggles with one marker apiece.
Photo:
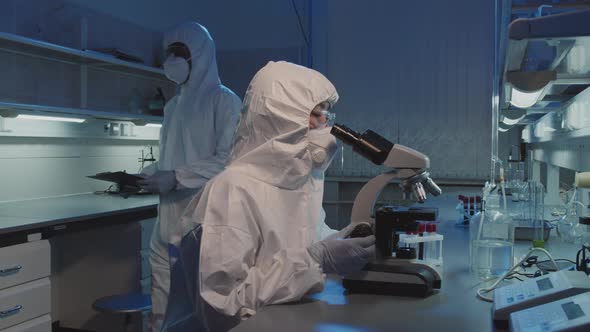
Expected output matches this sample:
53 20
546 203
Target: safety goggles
323 118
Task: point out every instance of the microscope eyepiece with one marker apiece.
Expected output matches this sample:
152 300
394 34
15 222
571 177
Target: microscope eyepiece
345 134
368 144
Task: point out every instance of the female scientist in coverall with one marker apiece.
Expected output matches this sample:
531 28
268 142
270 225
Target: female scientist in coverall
195 141
260 220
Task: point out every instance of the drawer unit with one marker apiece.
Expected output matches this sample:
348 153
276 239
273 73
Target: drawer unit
24 262
39 324
24 302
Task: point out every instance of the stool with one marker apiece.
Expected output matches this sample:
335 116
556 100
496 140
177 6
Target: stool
124 304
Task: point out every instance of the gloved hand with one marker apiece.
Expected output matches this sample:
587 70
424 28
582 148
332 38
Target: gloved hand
343 256
341 234
149 170
345 232
161 182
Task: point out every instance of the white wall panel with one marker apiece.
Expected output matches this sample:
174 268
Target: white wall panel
418 73
31 168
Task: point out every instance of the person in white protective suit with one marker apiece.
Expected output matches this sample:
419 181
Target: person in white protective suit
195 142
260 220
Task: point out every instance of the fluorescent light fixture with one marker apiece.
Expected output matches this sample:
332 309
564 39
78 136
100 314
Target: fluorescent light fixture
511 122
512 116
503 127
49 118
524 99
155 125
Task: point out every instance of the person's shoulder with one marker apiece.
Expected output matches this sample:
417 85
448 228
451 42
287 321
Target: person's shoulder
224 93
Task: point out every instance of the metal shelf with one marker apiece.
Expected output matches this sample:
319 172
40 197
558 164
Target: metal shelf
570 122
36 48
539 56
8 109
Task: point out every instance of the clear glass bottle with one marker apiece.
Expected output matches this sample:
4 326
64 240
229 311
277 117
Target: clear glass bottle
567 225
491 240
537 212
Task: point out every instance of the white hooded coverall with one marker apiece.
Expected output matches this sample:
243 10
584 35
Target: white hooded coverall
262 212
195 142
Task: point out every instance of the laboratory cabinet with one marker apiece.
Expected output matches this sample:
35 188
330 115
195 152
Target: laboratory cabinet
40 324
25 287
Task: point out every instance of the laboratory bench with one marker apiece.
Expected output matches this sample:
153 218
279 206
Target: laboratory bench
452 308
59 254
22 221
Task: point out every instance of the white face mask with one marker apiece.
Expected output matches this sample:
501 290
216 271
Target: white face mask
176 69
323 147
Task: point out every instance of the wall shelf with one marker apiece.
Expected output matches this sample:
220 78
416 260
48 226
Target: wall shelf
87 59
36 48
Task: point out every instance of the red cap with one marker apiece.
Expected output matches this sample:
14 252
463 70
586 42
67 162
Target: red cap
431 228
421 228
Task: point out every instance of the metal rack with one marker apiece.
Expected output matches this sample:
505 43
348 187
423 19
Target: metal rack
547 63
547 60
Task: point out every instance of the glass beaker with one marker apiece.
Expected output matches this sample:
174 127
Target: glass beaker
492 240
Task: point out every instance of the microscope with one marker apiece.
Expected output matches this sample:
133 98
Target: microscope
395 270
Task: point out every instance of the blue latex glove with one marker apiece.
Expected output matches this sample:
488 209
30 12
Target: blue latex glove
343 256
160 183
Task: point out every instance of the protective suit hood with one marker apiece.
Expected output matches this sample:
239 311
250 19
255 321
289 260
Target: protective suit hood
203 71
271 141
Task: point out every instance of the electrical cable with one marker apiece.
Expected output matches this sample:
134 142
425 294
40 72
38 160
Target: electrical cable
517 278
557 260
528 275
300 24
510 272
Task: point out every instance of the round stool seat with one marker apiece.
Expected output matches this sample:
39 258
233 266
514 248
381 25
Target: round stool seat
125 303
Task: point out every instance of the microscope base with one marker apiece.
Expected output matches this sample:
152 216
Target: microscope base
394 277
